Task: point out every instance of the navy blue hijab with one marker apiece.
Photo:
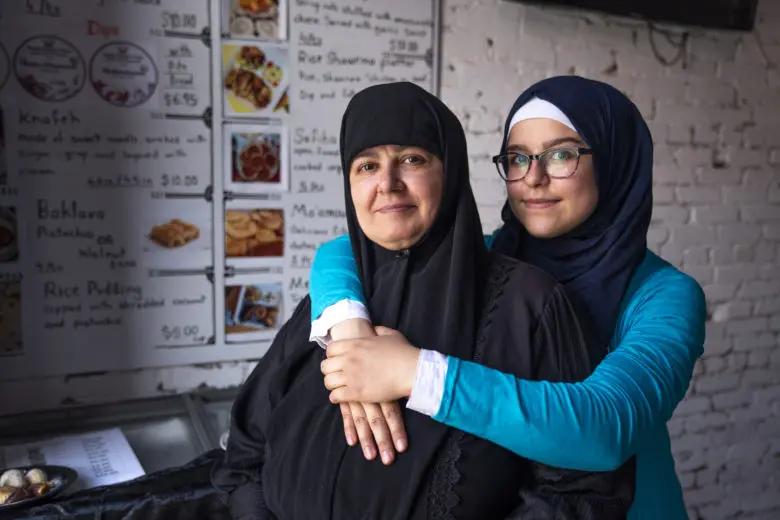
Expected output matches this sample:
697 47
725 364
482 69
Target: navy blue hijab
596 260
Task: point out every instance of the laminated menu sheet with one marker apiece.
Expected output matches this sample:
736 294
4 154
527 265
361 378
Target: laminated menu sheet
169 167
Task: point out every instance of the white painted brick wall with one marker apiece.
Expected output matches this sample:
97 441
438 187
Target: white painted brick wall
716 125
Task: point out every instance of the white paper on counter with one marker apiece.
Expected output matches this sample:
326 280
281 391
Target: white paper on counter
100 458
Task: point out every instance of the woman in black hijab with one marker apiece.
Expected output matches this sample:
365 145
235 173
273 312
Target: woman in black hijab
286 457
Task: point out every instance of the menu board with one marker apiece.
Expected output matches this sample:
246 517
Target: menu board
169 167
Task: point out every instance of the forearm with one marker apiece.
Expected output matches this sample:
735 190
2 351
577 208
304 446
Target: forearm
579 426
594 425
333 276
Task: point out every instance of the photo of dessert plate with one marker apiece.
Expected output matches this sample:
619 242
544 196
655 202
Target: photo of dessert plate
252 309
254 233
257 19
174 233
186 231
257 158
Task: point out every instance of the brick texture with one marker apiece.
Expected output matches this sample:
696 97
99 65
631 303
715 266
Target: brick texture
716 125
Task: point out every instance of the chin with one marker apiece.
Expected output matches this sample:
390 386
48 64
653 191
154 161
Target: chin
396 241
543 233
543 229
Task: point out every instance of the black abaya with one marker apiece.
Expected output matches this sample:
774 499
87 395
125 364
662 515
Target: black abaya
287 457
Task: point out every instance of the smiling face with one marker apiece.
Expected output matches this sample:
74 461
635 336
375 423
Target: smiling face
549 207
396 192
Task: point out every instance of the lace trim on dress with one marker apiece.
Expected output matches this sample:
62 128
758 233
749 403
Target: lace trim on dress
441 495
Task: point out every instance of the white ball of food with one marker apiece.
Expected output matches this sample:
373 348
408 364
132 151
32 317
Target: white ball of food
12 478
36 476
266 29
242 26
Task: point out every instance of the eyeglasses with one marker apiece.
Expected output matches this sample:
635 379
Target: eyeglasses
557 163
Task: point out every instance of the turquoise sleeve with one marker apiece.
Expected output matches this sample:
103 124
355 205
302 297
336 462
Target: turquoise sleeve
334 275
597 424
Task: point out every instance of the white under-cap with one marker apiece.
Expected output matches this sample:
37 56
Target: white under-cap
539 109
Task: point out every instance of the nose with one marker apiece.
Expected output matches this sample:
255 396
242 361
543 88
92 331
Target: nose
536 175
390 180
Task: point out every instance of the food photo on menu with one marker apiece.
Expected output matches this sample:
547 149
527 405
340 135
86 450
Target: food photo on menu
254 233
257 158
256 79
176 233
9 241
11 317
252 307
262 19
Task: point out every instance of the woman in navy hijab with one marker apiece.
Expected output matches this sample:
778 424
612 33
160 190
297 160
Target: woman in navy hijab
576 157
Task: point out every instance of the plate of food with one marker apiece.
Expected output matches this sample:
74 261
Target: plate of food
256 79
174 234
256 158
256 19
259 307
253 308
254 233
30 485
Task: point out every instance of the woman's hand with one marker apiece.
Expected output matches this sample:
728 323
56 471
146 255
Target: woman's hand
375 425
371 370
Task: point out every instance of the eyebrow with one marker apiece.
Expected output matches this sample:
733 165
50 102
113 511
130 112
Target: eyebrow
369 154
546 144
365 154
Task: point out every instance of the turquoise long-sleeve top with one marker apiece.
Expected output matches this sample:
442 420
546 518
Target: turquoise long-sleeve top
595 425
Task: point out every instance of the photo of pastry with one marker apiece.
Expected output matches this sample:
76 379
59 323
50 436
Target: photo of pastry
10 318
254 233
256 19
257 162
174 233
255 79
9 240
253 307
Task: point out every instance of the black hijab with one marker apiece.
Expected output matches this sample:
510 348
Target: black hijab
446 259
430 292
399 285
596 260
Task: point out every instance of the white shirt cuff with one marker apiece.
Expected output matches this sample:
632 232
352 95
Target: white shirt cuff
342 310
428 388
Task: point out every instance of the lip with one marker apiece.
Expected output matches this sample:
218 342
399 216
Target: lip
540 203
395 208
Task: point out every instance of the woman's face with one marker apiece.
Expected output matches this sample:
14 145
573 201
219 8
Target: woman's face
549 207
396 192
